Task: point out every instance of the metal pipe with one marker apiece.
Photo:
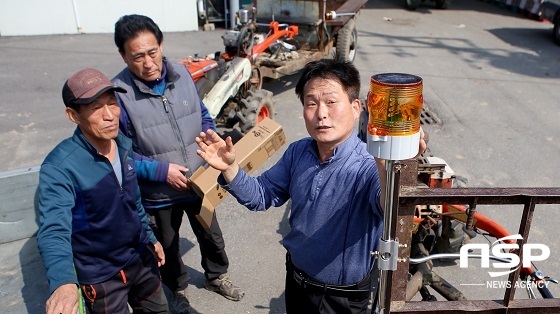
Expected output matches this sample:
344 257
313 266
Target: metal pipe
454 256
201 9
425 272
414 285
389 222
447 290
233 8
75 8
323 26
390 209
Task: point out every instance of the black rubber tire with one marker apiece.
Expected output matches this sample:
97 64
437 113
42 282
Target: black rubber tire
452 237
347 41
556 31
411 4
442 4
253 107
363 123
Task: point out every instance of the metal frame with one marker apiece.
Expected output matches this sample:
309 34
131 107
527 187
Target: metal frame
411 195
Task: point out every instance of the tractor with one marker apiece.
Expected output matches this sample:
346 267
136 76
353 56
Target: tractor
272 39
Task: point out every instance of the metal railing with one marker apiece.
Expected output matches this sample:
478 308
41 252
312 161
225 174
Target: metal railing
411 195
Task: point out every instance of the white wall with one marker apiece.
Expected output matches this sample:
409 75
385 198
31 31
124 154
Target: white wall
46 17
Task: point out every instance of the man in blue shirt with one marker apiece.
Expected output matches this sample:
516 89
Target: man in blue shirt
335 186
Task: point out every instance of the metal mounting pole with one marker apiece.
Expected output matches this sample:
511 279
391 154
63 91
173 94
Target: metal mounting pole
233 8
387 254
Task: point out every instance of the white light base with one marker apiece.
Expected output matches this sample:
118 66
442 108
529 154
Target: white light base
393 147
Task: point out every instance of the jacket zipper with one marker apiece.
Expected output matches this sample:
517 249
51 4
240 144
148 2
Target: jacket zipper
111 165
123 165
175 128
122 169
165 104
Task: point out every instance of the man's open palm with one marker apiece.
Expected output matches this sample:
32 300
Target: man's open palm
218 153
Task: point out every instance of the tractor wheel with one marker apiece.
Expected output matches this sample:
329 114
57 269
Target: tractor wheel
347 42
411 4
363 123
452 237
556 30
442 4
255 108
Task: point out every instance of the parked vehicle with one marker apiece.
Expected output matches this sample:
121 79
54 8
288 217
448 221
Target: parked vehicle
550 10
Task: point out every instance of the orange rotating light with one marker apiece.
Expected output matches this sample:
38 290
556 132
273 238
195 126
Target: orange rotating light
394 104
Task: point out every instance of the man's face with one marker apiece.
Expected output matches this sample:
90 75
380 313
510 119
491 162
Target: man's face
329 115
99 121
143 56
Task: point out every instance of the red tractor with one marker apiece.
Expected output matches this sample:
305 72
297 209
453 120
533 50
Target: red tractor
289 34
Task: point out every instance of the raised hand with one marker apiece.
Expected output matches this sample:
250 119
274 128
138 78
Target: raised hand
218 153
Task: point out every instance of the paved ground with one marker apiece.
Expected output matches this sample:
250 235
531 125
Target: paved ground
491 78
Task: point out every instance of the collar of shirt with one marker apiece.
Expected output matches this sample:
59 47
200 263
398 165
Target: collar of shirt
158 85
341 151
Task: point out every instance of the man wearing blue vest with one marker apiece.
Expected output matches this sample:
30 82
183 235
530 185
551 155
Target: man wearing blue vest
162 115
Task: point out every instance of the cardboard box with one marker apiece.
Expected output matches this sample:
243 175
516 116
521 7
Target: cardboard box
251 151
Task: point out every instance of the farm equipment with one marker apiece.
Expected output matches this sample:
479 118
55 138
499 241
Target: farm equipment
326 29
288 35
440 231
232 92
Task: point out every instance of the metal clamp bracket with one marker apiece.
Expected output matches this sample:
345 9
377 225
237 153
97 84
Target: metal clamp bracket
387 256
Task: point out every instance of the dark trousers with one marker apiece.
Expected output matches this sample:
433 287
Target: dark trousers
211 242
302 297
138 284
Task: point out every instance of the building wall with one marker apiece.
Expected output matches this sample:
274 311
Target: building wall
48 17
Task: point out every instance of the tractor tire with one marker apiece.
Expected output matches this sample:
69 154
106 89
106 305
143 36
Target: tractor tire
556 30
363 123
255 108
452 237
411 4
347 42
442 4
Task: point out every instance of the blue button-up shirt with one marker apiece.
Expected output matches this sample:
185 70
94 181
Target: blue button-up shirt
336 217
